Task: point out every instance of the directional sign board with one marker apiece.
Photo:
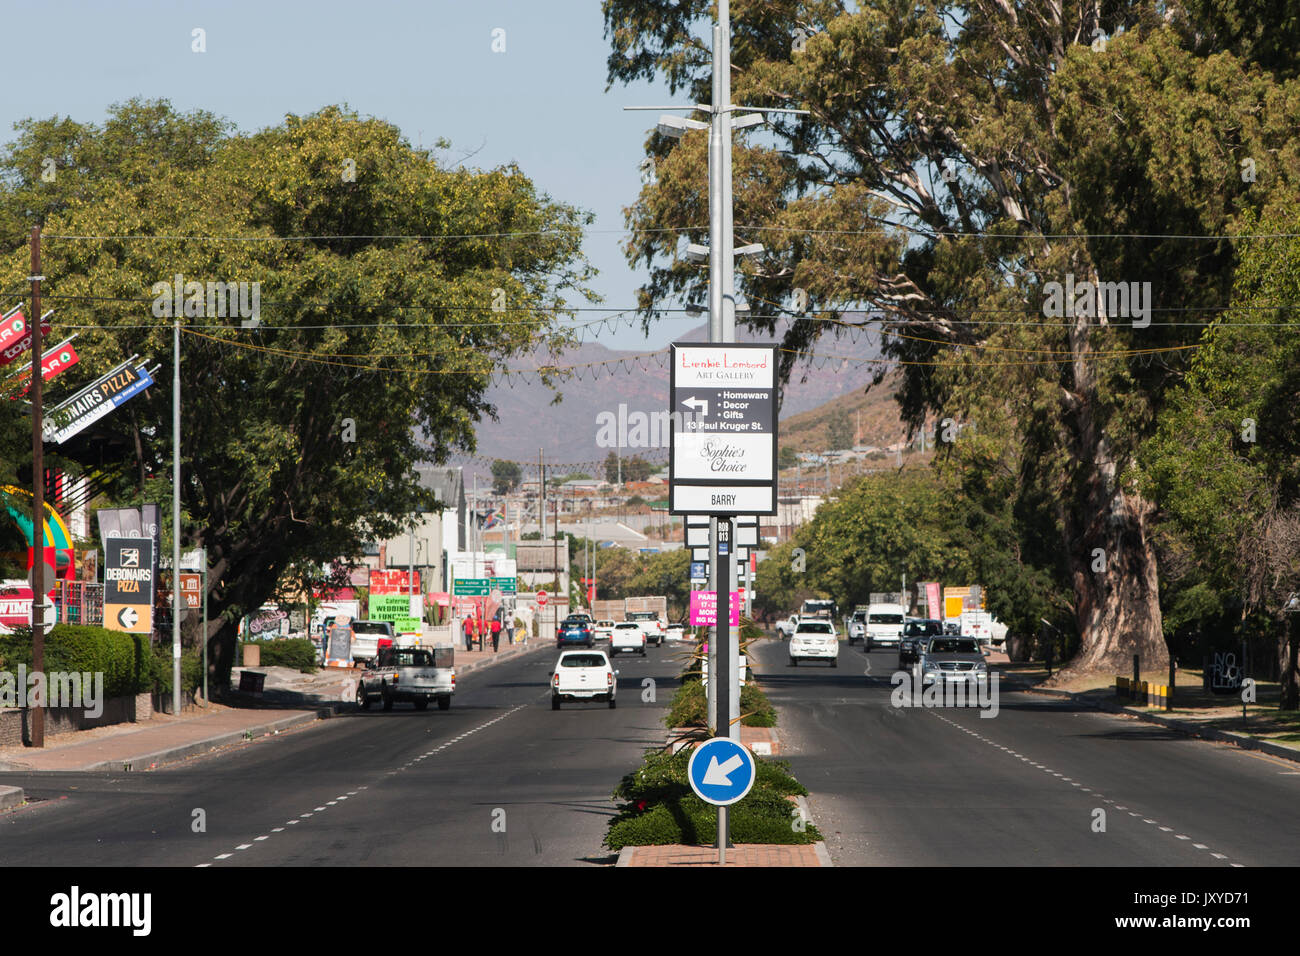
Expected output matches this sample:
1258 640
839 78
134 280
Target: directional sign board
721 771
723 445
475 587
128 584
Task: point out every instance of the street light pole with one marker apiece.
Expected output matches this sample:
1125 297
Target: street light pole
176 513
38 491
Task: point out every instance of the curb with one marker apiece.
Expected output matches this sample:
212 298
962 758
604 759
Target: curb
182 751
11 797
625 856
1243 741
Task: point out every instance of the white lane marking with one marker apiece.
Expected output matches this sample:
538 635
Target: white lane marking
353 793
223 856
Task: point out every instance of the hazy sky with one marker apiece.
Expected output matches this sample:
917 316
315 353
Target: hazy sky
427 67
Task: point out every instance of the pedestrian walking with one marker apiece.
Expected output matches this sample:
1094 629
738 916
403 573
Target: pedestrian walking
510 629
469 633
496 632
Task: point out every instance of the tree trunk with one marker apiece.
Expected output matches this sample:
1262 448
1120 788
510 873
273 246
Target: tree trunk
1112 561
1116 590
1290 654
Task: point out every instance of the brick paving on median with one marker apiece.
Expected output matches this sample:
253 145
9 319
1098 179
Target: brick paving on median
745 854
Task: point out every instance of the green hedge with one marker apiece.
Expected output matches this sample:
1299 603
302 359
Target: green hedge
191 668
659 808
125 660
297 652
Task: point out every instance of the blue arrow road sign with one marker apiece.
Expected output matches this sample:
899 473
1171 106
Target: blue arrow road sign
721 771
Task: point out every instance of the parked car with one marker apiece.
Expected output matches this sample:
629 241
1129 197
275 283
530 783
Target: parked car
815 640
575 629
915 634
414 674
365 637
627 636
583 675
953 659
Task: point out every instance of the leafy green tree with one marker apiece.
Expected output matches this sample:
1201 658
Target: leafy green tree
636 468
1225 461
960 156
666 573
506 476
611 468
299 436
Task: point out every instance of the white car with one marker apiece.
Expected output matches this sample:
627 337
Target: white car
603 630
815 641
675 632
627 636
583 675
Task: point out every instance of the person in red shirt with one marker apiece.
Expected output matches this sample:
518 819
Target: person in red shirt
469 632
496 632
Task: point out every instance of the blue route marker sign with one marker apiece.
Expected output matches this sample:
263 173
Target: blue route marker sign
721 771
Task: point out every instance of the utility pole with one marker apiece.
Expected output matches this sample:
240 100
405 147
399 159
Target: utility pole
176 513
38 491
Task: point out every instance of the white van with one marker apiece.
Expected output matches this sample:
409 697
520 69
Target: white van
885 624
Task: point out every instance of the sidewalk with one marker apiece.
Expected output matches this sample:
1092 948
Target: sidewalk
290 699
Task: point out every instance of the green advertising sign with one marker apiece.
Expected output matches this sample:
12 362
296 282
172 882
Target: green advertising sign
390 607
408 625
466 587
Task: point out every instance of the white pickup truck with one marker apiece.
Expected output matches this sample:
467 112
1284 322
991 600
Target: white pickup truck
417 674
583 675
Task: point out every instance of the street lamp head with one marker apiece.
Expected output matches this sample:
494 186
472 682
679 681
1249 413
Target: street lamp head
676 127
695 310
695 252
746 120
753 249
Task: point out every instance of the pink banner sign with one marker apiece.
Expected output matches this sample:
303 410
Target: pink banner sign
934 600
704 608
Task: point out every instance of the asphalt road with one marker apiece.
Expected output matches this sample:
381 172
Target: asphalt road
499 779
946 787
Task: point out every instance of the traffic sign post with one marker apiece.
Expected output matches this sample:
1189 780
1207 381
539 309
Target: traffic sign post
721 772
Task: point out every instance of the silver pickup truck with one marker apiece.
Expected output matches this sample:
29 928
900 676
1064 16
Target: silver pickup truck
417 674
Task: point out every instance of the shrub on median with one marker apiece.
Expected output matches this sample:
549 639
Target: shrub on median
689 707
659 807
